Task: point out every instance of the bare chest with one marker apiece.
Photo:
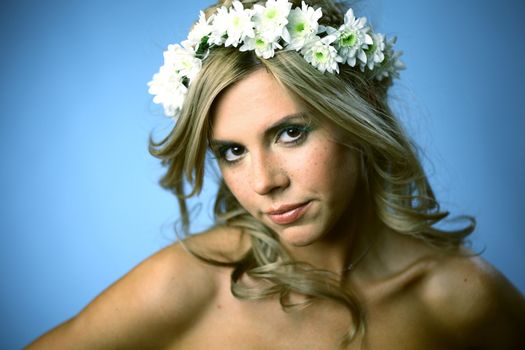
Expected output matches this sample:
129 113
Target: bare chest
391 323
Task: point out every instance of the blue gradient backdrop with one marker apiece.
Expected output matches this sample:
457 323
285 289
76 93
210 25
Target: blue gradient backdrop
80 204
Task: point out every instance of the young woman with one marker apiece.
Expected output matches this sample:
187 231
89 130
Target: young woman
325 234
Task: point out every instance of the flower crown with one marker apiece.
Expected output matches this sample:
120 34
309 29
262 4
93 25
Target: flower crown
265 29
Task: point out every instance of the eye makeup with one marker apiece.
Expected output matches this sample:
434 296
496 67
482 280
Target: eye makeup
289 131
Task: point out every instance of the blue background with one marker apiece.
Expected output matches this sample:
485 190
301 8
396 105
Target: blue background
80 204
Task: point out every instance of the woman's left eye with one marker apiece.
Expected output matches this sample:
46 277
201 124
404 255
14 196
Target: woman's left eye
292 134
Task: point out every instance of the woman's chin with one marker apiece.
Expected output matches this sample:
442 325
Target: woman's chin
297 236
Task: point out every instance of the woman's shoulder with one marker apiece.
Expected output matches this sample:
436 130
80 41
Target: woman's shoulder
221 243
177 270
473 300
156 301
176 283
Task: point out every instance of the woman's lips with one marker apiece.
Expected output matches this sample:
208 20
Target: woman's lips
288 214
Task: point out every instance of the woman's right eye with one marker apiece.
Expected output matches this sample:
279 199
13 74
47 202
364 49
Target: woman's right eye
233 153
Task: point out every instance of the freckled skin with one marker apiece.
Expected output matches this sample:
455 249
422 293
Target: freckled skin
319 170
415 297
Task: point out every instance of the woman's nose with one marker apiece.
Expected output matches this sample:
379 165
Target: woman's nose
267 175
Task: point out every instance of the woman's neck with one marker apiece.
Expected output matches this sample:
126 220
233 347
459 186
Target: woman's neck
347 243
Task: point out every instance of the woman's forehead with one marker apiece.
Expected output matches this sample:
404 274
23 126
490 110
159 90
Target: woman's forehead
256 101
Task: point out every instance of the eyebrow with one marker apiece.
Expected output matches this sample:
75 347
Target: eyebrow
271 130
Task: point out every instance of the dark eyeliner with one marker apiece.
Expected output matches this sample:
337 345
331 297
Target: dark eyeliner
304 129
221 153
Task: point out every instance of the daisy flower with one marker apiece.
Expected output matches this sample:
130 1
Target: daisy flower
240 24
375 53
201 29
168 90
220 24
391 65
323 56
353 39
265 29
263 47
302 25
182 60
272 18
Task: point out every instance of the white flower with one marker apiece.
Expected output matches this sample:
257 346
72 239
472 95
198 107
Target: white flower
170 84
182 60
391 65
264 30
271 19
240 25
263 48
221 21
320 54
168 90
302 26
201 29
353 39
375 53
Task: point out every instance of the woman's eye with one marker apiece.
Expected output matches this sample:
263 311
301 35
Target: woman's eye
292 134
232 153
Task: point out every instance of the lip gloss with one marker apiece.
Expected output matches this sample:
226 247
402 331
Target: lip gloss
289 216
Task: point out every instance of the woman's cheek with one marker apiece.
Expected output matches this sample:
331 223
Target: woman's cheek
310 162
237 182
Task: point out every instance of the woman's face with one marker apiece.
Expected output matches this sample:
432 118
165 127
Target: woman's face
285 171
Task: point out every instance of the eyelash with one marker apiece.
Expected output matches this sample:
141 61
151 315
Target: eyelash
303 129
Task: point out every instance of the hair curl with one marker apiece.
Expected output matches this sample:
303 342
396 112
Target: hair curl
397 186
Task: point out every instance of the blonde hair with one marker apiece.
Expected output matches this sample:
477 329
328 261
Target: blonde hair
396 184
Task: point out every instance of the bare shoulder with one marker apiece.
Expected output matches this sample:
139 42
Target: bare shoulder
475 302
222 243
154 303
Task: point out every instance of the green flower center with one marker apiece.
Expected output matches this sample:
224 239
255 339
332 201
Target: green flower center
299 27
260 42
348 39
320 56
271 13
236 21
